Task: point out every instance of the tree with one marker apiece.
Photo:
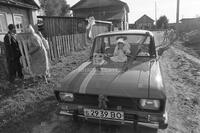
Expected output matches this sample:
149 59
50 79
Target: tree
162 22
55 7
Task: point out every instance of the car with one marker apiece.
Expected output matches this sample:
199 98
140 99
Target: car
121 82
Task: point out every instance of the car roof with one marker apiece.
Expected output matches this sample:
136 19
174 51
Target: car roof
142 32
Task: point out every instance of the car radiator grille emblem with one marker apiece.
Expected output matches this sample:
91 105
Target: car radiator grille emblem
103 101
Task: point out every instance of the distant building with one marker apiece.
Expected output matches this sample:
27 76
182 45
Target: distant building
172 26
145 22
115 11
132 26
188 24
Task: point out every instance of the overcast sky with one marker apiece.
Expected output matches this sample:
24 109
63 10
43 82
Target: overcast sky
188 8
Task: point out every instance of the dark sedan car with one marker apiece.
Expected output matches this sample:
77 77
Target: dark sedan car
120 83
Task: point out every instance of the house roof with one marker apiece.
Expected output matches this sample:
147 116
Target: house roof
143 19
140 32
188 19
31 4
83 4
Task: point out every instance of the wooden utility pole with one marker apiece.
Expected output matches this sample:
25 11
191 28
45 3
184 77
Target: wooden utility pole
177 18
155 11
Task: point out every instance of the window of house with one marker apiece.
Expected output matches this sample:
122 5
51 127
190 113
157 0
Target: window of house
19 23
3 23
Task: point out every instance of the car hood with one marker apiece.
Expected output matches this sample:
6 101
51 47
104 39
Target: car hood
138 81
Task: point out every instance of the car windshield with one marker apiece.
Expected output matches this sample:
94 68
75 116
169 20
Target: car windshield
122 45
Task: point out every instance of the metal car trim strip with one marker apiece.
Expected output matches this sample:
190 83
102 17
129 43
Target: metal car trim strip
75 72
86 81
151 125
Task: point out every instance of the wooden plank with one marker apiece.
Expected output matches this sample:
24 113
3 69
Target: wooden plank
77 42
68 44
57 49
54 47
53 51
50 52
72 43
82 41
64 44
51 48
58 46
25 42
61 46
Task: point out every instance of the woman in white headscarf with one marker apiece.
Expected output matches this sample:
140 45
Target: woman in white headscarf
39 62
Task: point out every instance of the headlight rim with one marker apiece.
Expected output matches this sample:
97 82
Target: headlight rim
153 109
69 95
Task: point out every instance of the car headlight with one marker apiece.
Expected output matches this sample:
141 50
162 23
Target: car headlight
67 97
149 104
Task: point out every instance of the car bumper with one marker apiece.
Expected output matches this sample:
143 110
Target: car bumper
152 121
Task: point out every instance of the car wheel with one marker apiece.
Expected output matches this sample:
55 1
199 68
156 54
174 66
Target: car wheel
163 125
75 116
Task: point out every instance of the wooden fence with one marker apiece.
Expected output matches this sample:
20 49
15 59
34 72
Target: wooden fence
64 44
68 34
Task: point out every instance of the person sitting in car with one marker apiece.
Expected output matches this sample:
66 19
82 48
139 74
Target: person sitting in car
121 50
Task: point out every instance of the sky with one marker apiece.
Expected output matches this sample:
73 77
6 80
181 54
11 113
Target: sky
188 8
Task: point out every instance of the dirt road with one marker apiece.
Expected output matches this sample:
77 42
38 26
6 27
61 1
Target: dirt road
182 80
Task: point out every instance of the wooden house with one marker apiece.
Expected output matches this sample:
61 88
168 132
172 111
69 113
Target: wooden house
144 22
189 24
114 11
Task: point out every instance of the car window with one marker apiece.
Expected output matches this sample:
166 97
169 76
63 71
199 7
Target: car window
145 48
108 44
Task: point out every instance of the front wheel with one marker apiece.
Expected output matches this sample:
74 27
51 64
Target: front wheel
163 125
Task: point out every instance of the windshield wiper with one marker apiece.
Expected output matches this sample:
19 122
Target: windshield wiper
140 46
125 66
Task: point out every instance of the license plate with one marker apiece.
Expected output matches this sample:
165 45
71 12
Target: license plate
104 114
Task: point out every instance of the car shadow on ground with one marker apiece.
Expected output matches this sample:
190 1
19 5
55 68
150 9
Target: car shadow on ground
66 125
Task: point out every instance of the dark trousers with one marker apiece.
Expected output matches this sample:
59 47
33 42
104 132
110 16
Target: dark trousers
15 69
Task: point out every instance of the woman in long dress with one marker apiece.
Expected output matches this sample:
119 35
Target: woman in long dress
39 62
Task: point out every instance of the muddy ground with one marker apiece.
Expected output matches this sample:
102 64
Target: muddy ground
182 80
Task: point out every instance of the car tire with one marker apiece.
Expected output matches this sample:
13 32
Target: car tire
75 116
163 125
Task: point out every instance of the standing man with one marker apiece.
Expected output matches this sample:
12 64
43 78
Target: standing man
13 54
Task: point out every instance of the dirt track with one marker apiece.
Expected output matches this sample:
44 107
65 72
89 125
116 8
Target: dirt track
181 77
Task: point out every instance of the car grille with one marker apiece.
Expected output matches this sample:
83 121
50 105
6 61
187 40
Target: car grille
113 102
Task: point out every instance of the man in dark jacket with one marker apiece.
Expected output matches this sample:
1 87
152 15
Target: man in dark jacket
13 54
